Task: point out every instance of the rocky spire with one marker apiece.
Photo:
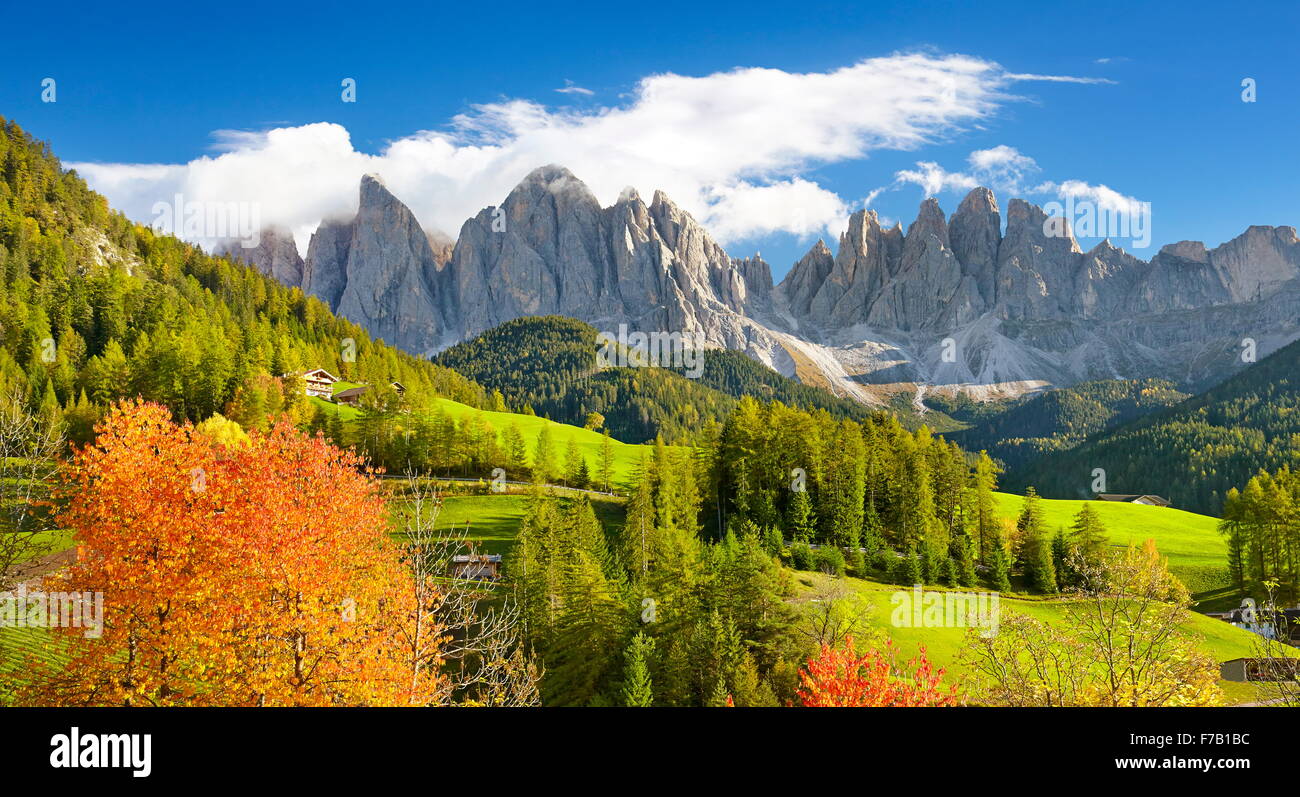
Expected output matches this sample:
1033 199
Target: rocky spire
806 277
389 268
976 232
1036 264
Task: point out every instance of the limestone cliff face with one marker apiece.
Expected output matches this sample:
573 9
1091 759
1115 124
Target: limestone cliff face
391 273
551 248
325 272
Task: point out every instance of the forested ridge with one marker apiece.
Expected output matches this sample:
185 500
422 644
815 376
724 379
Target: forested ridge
1060 419
1194 452
550 364
94 308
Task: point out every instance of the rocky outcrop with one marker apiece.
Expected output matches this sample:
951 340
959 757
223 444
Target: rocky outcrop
1257 262
550 248
805 278
929 289
275 255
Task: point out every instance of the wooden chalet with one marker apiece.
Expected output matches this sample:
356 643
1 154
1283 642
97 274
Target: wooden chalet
477 566
1273 669
320 383
1149 500
350 397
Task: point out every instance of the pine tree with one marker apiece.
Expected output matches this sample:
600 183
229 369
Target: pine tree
965 558
1061 559
1088 534
914 570
1035 547
516 450
999 564
986 508
606 460
637 689
574 463
544 457
800 521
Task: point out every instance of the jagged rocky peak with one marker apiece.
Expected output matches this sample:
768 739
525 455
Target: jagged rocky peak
930 220
554 185
929 289
1259 260
975 231
391 272
275 255
757 276
550 248
806 276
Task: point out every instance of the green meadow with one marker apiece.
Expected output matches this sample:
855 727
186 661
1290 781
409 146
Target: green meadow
626 456
1197 553
944 645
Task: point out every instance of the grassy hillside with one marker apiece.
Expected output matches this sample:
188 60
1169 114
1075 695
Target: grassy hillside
1197 553
491 522
943 645
627 456
95 308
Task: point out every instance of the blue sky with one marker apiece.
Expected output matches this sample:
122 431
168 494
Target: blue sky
1170 128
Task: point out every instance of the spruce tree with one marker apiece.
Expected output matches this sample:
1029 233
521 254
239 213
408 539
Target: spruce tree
544 456
999 564
986 508
606 460
1061 559
800 521
1088 534
637 689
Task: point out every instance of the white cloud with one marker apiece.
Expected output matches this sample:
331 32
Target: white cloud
1061 79
1103 196
733 148
934 179
795 206
1001 168
571 88
1006 170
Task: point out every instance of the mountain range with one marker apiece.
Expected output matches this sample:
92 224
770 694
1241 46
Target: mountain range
968 304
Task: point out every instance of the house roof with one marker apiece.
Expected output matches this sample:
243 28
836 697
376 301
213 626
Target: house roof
320 373
1130 498
475 557
351 392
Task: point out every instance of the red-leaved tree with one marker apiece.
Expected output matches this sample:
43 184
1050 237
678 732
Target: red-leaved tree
843 677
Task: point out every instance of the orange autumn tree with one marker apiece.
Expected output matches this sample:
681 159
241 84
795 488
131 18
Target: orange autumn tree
841 677
252 575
